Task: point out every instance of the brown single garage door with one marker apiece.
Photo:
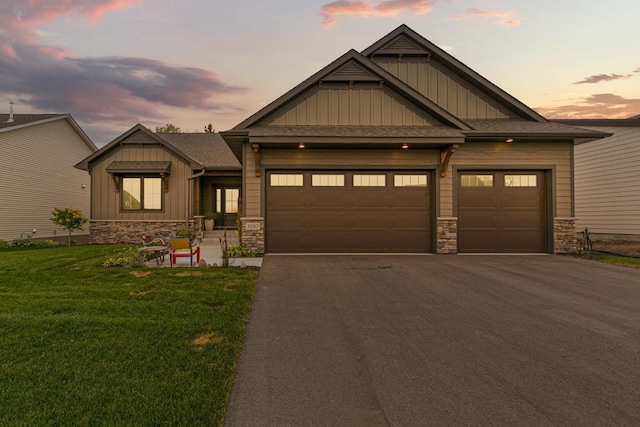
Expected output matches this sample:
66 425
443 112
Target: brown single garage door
348 211
501 211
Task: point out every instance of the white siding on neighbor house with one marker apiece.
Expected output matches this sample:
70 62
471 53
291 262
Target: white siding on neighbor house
607 189
37 174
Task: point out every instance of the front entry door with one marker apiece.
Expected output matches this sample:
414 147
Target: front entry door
226 204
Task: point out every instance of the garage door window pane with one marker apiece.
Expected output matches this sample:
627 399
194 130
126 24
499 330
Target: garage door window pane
327 180
410 180
369 180
520 181
286 180
475 180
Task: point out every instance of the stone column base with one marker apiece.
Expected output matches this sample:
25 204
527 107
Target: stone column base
447 239
564 235
253 233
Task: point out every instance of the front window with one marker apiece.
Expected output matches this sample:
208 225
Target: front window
141 193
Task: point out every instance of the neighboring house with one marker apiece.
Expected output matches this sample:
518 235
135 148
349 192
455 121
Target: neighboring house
37 154
607 173
402 148
146 183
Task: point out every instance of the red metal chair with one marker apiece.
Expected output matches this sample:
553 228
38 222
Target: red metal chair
184 248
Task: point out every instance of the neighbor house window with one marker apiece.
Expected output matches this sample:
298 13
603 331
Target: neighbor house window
327 180
369 180
286 180
141 193
475 180
410 180
520 181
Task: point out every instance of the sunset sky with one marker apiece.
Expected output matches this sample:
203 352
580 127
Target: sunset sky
114 63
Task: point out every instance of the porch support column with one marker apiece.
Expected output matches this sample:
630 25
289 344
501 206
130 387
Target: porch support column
256 151
197 196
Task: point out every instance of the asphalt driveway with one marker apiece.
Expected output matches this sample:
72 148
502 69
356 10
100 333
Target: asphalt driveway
440 340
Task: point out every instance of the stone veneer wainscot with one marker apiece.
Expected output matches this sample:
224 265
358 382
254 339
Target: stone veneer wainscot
104 232
564 235
447 235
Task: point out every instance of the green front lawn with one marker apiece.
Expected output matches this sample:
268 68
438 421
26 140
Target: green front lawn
86 345
619 260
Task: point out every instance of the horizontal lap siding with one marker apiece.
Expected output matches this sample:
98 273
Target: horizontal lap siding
38 175
505 156
106 201
608 182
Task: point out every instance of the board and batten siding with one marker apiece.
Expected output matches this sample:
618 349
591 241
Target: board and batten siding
518 155
328 159
445 90
607 189
106 200
359 107
38 174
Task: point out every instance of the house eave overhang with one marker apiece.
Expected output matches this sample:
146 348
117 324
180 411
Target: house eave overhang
532 137
355 142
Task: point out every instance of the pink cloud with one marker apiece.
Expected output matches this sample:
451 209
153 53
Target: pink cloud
30 13
605 105
603 78
331 11
102 91
507 18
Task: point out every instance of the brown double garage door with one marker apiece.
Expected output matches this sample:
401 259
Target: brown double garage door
348 211
391 211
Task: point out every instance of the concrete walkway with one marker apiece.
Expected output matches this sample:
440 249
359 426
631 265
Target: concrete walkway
440 340
211 252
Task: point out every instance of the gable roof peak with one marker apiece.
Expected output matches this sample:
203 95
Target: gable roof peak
398 39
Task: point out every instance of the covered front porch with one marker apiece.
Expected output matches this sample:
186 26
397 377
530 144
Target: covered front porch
220 194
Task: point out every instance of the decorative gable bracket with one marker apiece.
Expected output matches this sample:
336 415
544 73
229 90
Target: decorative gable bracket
445 156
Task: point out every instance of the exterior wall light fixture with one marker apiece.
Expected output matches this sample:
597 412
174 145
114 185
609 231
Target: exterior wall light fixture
405 146
509 140
301 145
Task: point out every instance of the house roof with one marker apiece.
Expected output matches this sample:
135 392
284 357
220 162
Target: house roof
25 120
354 66
22 119
368 71
209 149
139 167
200 151
527 128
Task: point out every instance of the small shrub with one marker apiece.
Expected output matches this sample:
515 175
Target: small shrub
68 218
129 257
186 233
28 243
4 244
240 252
